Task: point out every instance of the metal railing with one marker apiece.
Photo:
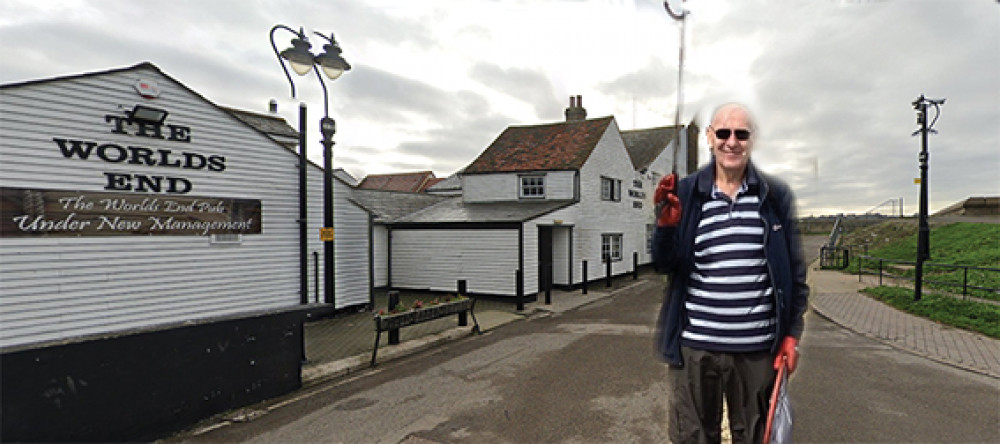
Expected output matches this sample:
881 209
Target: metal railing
834 257
839 257
897 270
836 232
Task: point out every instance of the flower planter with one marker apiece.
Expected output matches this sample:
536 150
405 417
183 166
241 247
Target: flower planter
395 321
399 320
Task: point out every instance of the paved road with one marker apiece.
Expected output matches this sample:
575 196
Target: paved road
589 375
850 388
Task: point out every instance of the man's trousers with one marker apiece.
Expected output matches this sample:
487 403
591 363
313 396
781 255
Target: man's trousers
697 390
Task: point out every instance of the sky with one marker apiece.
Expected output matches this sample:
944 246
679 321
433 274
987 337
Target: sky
434 82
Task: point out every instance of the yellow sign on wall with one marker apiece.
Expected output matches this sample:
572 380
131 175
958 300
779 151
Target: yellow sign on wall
916 180
326 234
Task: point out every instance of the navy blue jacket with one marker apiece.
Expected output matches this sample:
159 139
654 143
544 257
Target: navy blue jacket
673 253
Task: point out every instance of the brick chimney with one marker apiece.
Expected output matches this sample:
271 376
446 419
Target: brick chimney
576 111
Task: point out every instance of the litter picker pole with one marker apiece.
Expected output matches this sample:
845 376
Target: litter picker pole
681 16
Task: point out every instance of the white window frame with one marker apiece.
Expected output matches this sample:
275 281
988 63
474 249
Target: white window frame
531 186
611 189
611 243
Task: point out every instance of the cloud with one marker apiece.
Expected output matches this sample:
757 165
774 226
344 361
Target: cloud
833 84
526 85
434 82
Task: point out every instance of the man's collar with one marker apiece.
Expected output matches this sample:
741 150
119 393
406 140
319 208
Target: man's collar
716 192
706 177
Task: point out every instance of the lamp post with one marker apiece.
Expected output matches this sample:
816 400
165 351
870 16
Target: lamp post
923 235
333 65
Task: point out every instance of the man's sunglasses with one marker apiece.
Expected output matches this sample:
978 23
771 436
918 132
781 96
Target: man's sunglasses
741 134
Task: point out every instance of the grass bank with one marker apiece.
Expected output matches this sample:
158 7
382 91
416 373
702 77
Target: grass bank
974 316
970 244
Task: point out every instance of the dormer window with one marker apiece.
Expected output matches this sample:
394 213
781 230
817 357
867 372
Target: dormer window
532 187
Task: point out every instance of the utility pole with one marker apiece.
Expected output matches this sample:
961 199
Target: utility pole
923 234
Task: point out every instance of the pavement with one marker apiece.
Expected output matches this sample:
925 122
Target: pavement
343 345
835 296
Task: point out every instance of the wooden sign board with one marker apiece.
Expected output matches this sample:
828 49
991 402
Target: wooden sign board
46 213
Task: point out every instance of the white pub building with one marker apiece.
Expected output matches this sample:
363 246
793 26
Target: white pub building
151 266
153 270
554 203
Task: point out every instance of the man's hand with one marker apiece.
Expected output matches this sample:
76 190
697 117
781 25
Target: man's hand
789 350
668 205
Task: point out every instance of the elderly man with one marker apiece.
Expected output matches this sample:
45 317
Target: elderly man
733 312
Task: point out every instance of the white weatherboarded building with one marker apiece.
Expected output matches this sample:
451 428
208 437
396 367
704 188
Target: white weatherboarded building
541 200
155 259
353 229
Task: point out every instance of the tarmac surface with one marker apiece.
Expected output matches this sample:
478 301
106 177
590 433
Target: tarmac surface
866 375
834 296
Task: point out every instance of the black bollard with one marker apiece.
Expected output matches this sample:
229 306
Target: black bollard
463 319
393 302
519 286
316 275
607 271
302 334
547 282
584 277
635 265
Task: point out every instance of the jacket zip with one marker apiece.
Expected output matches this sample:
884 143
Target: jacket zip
770 273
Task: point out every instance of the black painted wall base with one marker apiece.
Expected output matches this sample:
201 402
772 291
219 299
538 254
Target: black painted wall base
147 385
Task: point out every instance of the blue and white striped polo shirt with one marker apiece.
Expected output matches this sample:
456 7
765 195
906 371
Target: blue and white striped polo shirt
729 304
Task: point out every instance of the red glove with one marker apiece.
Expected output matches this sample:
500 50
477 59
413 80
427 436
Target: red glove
668 205
788 351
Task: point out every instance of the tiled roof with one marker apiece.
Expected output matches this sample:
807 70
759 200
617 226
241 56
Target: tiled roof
555 146
414 182
643 145
387 206
431 182
454 210
449 184
270 124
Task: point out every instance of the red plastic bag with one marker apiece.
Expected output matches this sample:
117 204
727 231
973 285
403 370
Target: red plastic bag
779 415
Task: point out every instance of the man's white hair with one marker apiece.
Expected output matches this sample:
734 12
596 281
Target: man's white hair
735 105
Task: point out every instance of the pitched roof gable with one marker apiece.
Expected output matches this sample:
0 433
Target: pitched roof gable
554 146
414 182
644 145
455 210
388 206
275 126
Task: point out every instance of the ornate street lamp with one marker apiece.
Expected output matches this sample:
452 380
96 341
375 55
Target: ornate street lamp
923 234
301 59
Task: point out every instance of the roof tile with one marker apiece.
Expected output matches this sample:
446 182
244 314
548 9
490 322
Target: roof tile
555 146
